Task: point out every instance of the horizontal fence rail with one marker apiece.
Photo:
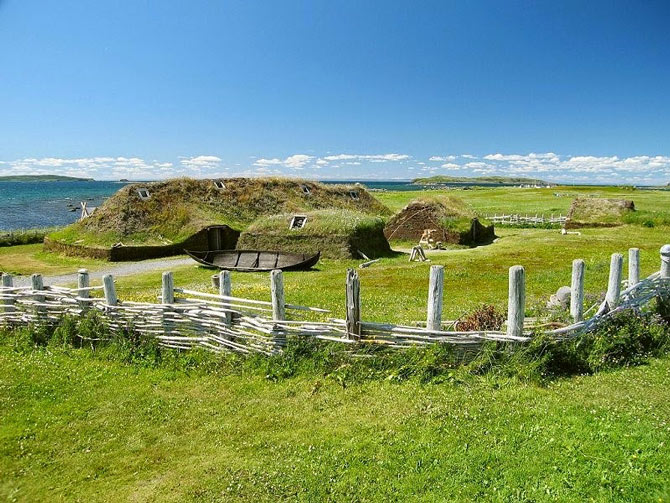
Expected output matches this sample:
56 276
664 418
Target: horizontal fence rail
185 318
518 219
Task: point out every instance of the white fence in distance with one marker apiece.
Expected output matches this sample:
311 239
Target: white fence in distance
518 219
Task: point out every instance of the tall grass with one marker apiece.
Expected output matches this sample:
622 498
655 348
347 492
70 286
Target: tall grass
629 338
24 236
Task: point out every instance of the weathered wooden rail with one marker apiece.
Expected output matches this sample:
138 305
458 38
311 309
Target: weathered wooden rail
222 322
518 219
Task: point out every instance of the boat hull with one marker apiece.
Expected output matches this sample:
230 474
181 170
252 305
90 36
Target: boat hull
254 260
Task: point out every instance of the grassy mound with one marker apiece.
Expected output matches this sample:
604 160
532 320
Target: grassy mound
336 233
454 220
598 212
179 208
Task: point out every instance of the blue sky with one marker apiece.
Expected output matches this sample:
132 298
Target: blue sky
568 91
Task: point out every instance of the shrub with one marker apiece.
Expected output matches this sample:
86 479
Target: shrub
486 317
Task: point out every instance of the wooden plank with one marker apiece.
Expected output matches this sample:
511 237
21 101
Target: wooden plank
516 301
633 266
277 292
110 291
614 283
435 289
225 290
577 290
353 300
665 261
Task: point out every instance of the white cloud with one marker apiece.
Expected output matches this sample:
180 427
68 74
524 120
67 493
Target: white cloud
640 169
201 161
577 169
296 161
452 166
367 157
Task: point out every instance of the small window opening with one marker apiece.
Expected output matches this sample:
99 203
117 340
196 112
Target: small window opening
305 190
354 195
298 222
143 193
219 184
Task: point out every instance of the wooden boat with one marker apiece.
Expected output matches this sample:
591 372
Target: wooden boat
254 260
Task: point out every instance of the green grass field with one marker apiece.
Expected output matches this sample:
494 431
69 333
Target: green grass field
77 425
79 428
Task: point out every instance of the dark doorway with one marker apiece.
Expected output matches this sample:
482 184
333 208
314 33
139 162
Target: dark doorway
221 237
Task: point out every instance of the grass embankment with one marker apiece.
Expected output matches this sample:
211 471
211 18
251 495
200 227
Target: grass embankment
79 425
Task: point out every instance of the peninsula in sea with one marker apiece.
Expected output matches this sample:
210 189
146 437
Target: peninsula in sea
43 178
489 180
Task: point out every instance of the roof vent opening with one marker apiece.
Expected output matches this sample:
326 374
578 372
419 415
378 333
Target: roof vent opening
219 184
143 193
354 195
297 222
305 190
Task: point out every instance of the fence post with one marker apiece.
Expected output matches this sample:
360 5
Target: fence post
516 301
8 282
168 288
226 290
435 288
38 284
277 291
614 283
353 299
665 261
83 283
110 290
633 266
577 290
167 294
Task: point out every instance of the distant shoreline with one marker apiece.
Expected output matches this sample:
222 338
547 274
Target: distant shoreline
43 178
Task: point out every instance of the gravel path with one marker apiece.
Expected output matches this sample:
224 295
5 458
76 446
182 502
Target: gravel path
123 269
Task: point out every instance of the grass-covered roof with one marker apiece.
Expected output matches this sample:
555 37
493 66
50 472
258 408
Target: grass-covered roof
598 212
176 209
335 233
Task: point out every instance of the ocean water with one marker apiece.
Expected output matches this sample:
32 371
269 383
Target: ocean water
27 205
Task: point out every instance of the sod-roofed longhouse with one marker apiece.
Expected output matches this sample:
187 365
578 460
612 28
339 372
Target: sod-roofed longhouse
453 221
336 234
598 212
164 218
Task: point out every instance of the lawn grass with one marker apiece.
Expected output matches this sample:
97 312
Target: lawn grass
653 205
395 290
78 427
29 259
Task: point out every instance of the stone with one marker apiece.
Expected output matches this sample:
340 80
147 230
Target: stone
561 299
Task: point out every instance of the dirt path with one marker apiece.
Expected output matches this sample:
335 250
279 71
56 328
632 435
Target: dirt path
124 269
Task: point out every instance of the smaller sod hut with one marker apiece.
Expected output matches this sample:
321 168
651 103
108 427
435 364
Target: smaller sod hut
159 219
338 234
598 212
454 221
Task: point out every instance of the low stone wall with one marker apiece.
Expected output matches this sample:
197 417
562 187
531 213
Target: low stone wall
198 241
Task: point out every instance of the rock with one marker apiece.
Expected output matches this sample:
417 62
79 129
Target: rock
561 299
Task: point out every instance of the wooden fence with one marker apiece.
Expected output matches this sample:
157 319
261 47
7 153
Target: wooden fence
221 322
537 219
